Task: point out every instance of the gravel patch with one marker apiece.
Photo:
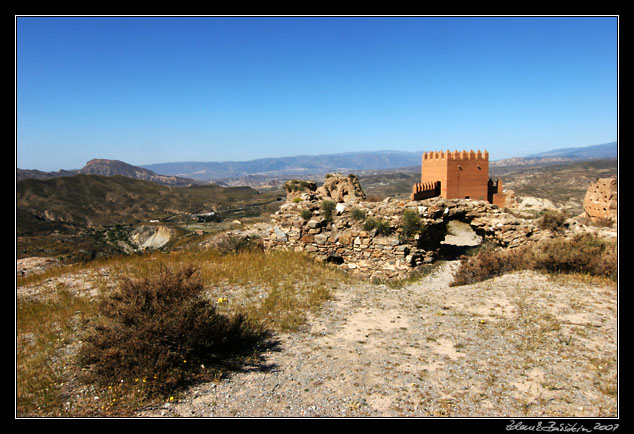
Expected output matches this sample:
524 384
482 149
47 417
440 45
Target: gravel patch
521 345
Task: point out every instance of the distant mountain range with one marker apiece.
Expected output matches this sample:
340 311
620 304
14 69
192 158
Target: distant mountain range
607 150
261 170
108 168
307 165
297 166
595 152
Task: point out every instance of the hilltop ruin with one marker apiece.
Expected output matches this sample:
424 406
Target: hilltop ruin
376 239
391 238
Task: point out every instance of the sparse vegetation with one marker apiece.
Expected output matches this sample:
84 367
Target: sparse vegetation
327 207
162 327
191 315
234 244
182 299
552 220
357 214
410 224
584 253
44 328
380 226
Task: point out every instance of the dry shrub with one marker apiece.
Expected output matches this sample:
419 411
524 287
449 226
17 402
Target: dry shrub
162 327
553 220
231 244
583 253
489 263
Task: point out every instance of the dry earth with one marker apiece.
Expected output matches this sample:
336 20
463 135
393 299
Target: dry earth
521 345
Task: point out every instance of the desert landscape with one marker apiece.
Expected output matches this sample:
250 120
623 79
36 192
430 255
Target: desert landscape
393 334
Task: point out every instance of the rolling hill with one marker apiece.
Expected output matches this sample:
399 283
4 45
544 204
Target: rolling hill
67 215
96 200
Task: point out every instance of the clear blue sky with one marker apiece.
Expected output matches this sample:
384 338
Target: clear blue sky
162 89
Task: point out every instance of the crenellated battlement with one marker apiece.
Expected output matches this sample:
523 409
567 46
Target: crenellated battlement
456 155
425 190
457 175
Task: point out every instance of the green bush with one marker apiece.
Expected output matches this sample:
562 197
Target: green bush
161 327
306 214
381 227
410 224
369 224
328 206
357 214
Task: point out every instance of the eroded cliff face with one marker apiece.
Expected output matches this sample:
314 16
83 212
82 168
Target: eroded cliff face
151 237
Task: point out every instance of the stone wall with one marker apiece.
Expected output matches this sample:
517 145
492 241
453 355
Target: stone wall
344 240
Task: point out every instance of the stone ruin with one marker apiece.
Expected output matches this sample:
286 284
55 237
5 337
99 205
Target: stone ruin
381 253
600 201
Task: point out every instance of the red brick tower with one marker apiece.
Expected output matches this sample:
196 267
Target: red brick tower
460 175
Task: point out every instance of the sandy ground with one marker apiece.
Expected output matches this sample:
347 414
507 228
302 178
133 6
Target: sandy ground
521 345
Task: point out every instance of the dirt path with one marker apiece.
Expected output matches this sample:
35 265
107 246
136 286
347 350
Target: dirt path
523 344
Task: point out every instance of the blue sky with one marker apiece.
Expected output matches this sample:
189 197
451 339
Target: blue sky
149 90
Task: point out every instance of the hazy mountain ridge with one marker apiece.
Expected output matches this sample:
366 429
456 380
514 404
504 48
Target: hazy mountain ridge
606 150
261 172
106 167
310 165
295 166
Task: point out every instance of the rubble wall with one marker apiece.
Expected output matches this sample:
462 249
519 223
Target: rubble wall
301 226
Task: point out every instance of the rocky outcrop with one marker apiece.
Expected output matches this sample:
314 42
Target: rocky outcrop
296 189
341 188
600 201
